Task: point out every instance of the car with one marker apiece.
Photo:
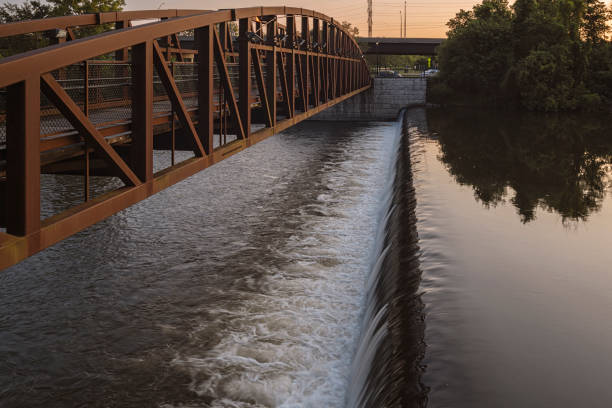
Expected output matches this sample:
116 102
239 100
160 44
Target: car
430 72
387 73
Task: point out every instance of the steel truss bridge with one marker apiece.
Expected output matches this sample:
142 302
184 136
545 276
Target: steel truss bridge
210 83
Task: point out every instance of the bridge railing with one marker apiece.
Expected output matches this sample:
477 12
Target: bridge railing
101 105
32 34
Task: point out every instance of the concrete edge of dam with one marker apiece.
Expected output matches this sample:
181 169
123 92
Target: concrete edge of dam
384 101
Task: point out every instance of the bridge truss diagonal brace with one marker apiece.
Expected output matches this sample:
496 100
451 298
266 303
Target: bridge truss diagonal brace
177 100
227 84
54 91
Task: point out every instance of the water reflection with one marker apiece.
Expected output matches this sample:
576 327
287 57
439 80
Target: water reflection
556 163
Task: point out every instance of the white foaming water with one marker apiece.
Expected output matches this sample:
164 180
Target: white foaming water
374 327
291 341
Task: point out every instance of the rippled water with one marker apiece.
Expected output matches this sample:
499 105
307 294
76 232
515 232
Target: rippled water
239 287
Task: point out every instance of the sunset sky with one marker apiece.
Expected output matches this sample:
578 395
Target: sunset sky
425 18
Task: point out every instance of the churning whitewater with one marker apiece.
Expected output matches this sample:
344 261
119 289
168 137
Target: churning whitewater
291 341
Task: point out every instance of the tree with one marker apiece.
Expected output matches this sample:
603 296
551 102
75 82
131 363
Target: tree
35 9
545 55
349 27
477 53
594 25
30 10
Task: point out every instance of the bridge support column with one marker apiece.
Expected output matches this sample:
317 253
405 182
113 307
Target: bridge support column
316 63
142 111
271 66
325 70
204 40
305 63
23 157
291 62
245 75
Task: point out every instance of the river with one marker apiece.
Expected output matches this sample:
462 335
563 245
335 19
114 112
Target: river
450 258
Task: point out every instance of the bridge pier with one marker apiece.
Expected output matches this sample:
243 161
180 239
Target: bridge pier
381 102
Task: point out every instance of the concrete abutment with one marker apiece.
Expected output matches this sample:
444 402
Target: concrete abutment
381 102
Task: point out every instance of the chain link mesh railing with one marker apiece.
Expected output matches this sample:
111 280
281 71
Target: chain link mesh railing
109 92
103 90
105 96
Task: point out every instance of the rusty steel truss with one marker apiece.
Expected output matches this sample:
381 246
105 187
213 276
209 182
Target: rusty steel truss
210 83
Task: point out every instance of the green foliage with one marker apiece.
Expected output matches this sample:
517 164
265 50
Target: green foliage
349 27
477 53
73 7
547 55
398 61
30 10
35 9
594 22
545 81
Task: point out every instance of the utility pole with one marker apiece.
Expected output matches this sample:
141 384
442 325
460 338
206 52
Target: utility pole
369 18
404 18
401 25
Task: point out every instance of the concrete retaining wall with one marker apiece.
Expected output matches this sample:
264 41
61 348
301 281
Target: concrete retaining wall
382 102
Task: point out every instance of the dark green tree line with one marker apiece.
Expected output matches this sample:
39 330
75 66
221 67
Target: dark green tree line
548 55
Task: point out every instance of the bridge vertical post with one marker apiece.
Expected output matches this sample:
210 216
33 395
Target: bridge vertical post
271 67
23 157
352 75
245 75
341 63
141 151
291 62
342 72
325 68
223 29
122 54
316 62
331 50
204 44
306 62
347 65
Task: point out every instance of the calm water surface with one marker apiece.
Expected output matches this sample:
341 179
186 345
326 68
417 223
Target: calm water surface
515 226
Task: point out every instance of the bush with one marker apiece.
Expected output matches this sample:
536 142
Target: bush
591 102
438 92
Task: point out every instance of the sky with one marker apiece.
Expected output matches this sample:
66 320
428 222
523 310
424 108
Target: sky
426 19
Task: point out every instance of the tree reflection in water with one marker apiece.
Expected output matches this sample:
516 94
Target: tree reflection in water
557 163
